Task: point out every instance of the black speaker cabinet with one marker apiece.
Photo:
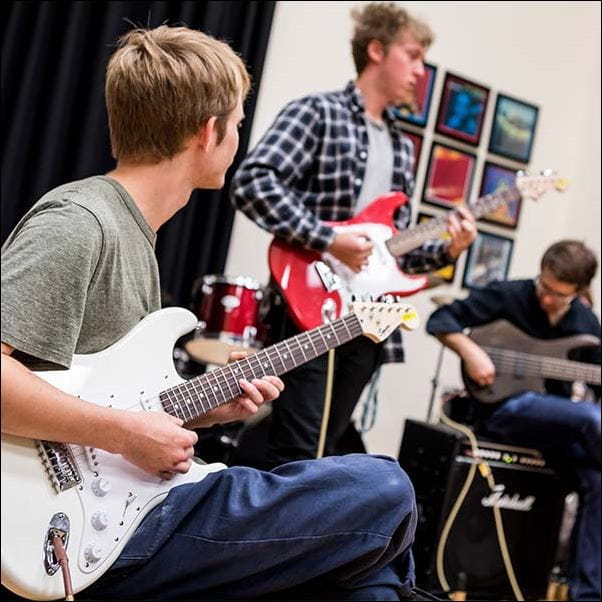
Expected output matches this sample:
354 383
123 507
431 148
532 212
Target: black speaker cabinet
530 495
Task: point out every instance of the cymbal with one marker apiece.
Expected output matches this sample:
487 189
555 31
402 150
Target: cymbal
440 300
213 351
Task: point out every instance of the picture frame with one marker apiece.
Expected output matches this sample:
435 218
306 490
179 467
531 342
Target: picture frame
488 259
446 273
513 129
449 176
495 178
419 113
417 140
462 109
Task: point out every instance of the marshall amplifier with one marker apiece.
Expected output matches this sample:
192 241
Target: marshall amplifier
530 496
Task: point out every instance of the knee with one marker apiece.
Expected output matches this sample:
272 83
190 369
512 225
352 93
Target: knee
388 484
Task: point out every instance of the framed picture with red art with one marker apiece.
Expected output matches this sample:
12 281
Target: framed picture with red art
418 114
449 176
417 141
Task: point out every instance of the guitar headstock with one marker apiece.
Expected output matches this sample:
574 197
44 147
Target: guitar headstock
535 186
379 320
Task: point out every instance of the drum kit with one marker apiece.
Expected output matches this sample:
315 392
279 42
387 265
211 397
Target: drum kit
228 312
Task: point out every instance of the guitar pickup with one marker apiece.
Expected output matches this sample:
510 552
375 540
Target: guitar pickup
329 279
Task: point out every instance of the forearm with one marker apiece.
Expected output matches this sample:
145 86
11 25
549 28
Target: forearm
459 342
35 409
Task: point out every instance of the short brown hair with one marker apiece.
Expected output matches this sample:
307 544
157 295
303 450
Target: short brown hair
570 261
384 21
163 84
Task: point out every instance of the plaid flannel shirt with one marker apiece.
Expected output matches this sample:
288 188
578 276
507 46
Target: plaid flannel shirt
309 167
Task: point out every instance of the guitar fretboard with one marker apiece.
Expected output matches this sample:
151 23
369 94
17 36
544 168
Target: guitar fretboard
516 362
411 239
199 395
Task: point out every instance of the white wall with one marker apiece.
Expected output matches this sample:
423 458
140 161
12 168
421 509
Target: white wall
547 53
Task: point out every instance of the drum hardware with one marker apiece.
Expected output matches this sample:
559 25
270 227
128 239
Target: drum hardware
438 300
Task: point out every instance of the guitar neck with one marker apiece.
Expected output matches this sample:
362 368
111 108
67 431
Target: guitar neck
514 362
199 395
411 239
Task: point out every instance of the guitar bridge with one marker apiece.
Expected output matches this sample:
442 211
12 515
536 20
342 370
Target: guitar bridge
60 465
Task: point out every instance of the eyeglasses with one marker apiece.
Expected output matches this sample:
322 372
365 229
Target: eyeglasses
543 288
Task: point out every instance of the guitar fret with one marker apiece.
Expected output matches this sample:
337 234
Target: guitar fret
199 395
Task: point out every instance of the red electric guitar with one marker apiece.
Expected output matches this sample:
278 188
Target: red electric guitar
318 287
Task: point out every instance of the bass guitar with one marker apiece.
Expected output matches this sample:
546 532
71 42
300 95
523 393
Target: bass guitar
94 500
318 286
523 363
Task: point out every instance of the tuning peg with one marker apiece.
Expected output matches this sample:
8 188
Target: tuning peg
387 299
522 173
547 173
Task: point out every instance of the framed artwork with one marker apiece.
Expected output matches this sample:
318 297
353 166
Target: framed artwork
462 109
417 141
447 272
418 114
488 259
449 176
513 129
496 178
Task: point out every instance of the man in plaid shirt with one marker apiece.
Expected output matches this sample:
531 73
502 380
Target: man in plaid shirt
325 158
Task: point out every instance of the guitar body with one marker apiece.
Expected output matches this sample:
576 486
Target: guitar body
112 496
503 335
296 270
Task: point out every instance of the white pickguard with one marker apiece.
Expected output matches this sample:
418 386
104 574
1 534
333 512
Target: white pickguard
382 274
128 375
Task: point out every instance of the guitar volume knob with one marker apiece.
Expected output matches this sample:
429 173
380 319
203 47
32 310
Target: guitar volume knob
93 553
101 487
100 520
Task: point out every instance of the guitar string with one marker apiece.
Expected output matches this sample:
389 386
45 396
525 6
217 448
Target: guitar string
509 360
340 327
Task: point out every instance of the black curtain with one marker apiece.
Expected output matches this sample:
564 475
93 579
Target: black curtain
54 121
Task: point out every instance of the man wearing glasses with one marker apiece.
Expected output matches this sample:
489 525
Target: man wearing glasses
548 307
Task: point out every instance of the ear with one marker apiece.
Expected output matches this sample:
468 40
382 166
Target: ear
206 133
376 51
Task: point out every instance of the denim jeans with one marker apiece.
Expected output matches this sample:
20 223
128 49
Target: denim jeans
570 433
338 528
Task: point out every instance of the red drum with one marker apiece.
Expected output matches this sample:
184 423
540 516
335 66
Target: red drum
228 312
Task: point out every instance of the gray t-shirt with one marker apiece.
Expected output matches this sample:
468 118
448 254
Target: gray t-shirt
379 166
78 272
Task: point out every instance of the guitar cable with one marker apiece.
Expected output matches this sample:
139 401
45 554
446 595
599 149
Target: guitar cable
327 399
61 555
486 473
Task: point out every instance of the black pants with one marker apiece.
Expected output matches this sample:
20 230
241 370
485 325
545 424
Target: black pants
297 413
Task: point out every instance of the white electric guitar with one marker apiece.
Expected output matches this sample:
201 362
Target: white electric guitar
94 500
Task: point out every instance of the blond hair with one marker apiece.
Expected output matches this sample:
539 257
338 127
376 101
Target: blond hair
384 21
163 84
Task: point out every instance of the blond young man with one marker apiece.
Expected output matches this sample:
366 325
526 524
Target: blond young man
79 272
325 158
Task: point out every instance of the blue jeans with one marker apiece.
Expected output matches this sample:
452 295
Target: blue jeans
338 528
570 433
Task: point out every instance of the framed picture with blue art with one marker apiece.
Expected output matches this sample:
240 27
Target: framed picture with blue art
495 179
418 113
513 129
462 109
488 259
